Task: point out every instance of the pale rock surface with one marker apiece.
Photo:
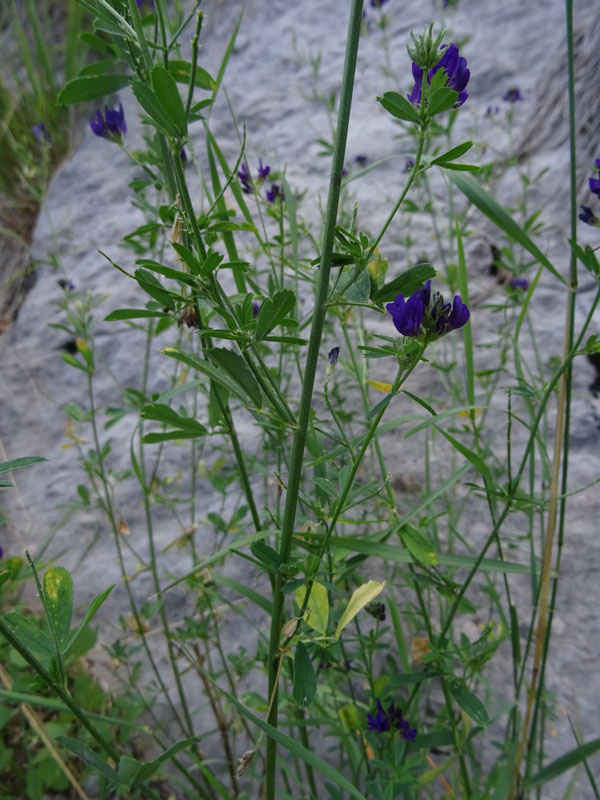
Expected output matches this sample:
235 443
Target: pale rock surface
268 82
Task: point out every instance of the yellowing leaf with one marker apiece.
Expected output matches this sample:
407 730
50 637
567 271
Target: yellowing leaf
317 611
360 597
381 386
476 412
350 717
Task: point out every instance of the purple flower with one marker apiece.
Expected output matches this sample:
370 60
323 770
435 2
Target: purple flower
40 133
588 216
595 182
244 176
361 160
67 286
332 355
183 156
273 193
426 315
263 171
457 75
377 3
140 3
512 96
491 110
389 720
255 308
409 165
1 551
519 283
110 126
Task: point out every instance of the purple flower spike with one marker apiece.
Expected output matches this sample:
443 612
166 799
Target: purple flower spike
263 171
390 719
519 283
425 315
512 96
595 185
588 216
457 75
458 317
110 126
273 193
40 133
244 176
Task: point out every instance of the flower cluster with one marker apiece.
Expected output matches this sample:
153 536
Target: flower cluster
263 172
587 215
457 75
390 720
512 96
425 315
110 126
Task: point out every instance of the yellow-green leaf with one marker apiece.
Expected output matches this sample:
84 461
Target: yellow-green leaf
317 611
418 546
360 597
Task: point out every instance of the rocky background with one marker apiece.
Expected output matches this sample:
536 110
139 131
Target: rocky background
271 86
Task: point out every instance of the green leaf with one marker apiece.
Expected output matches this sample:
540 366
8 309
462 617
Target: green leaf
132 313
20 463
168 96
268 557
360 597
58 594
89 614
149 102
492 209
418 546
354 284
80 90
398 106
181 71
565 763
305 680
406 283
86 754
472 457
161 412
400 555
317 610
170 436
237 370
453 154
441 100
206 368
154 288
168 272
469 703
28 633
273 311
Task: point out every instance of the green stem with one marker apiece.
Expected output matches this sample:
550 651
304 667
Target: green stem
312 357
409 183
59 691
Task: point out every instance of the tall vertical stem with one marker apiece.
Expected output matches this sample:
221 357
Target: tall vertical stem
320 310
